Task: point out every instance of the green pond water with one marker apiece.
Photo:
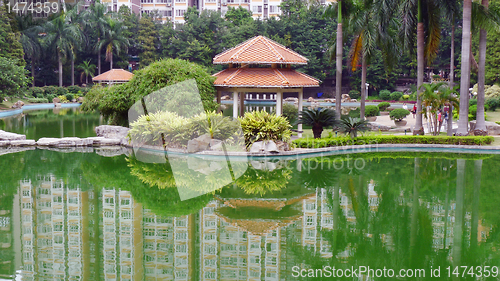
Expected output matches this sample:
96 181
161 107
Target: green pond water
83 216
52 123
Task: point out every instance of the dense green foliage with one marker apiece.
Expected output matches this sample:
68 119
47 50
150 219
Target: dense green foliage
354 94
10 46
398 114
385 95
371 110
396 96
262 126
392 139
290 112
115 101
13 78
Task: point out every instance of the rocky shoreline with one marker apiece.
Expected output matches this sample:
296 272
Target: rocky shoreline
106 136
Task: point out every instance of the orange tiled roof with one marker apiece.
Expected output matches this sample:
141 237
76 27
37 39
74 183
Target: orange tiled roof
259 50
114 75
264 77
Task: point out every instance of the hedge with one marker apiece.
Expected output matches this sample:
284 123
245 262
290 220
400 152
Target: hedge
37 100
391 139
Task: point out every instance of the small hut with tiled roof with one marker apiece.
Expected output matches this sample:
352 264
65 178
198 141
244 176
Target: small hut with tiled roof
244 75
113 76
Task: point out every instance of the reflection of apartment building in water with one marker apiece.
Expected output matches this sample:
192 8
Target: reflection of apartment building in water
68 232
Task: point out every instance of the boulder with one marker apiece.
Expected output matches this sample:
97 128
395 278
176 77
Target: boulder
264 147
112 151
23 143
226 98
73 100
310 99
79 99
19 104
5 136
56 100
101 141
57 105
264 165
112 132
4 143
216 145
64 142
292 99
492 127
200 143
374 126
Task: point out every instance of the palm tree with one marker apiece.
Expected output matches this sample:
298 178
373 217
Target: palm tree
317 118
73 17
95 17
463 119
370 22
425 16
338 10
87 69
30 40
352 126
61 36
113 39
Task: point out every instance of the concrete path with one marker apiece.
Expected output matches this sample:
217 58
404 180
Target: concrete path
386 120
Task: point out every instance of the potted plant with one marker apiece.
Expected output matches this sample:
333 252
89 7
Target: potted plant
398 114
371 112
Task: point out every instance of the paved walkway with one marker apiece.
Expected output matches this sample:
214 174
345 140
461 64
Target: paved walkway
386 120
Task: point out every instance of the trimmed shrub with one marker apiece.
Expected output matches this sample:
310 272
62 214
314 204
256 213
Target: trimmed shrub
51 97
260 126
406 97
354 94
492 103
385 94
37 92
61 91
396 96
73 89
391 139
398 114
37 100
371 110
290 112
50 90
472 102
383 106
69 97
355 113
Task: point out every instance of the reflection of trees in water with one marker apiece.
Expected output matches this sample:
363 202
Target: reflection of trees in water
400 233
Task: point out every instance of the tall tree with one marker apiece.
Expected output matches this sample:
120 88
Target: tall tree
480 128
113 39
463 120
95 17
422 16
61 37
9 41
147 40
30 41
370 25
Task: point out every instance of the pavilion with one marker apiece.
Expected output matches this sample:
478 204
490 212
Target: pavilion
245 74
113 76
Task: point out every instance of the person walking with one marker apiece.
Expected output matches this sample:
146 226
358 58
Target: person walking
405 106
414 110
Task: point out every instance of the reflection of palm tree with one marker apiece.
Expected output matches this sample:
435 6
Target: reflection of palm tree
459 213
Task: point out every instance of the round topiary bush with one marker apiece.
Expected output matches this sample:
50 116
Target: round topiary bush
396 95
406 97
371 110
493 103
383 106
398 114
385 94
354 94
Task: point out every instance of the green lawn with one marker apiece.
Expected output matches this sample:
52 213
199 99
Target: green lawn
8 104
493 116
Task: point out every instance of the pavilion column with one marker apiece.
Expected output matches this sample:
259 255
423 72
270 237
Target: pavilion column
242 104
218 100
235 105
279 100
299 126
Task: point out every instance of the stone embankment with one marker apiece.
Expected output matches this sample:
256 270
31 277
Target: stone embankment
106 136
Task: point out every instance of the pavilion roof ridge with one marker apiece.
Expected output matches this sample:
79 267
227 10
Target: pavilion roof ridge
260 50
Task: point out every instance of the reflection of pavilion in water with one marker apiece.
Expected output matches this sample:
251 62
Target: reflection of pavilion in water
68 233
